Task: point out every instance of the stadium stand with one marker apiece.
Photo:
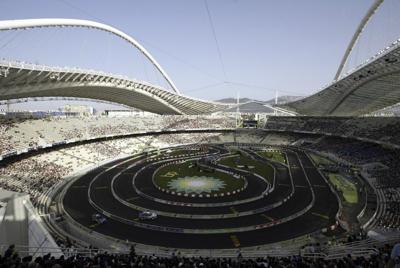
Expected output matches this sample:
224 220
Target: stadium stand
29 133
36 174
56 164
359 142
383 257
377 129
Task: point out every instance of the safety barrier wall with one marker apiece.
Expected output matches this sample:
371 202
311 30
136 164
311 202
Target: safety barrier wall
380 201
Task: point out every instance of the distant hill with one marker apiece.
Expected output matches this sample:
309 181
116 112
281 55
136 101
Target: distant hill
284 99
251 107
234 100
281 100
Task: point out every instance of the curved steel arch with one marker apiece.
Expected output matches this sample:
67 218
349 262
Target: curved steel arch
360 28
54 22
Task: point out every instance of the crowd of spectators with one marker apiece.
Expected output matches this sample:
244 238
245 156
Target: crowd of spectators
6 133
187 138
355 151
195 121
27 133
386 256
391 217
384 129
384 175
4 145
31 176
103 149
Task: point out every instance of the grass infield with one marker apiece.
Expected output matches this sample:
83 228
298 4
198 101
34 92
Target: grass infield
188 169
276 156
348 189
319 160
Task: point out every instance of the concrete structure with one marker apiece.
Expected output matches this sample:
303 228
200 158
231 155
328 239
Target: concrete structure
126 113
80 110
21 225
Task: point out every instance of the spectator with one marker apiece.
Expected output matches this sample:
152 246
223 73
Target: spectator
395 255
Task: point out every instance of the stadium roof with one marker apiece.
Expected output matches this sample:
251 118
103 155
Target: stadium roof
371 86
21 80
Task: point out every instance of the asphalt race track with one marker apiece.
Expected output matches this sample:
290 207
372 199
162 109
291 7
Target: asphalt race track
300 203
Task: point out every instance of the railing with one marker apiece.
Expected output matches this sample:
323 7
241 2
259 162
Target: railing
67 251
311 253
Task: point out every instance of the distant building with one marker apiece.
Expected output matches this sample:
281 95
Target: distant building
30 114
125 113
77 110
251 113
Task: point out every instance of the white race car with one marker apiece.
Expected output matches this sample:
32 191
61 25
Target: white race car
98 218
147 215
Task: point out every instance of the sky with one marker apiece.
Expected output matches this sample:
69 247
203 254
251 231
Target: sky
248 47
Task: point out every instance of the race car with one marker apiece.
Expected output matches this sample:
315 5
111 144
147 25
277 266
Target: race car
147 215
98 218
